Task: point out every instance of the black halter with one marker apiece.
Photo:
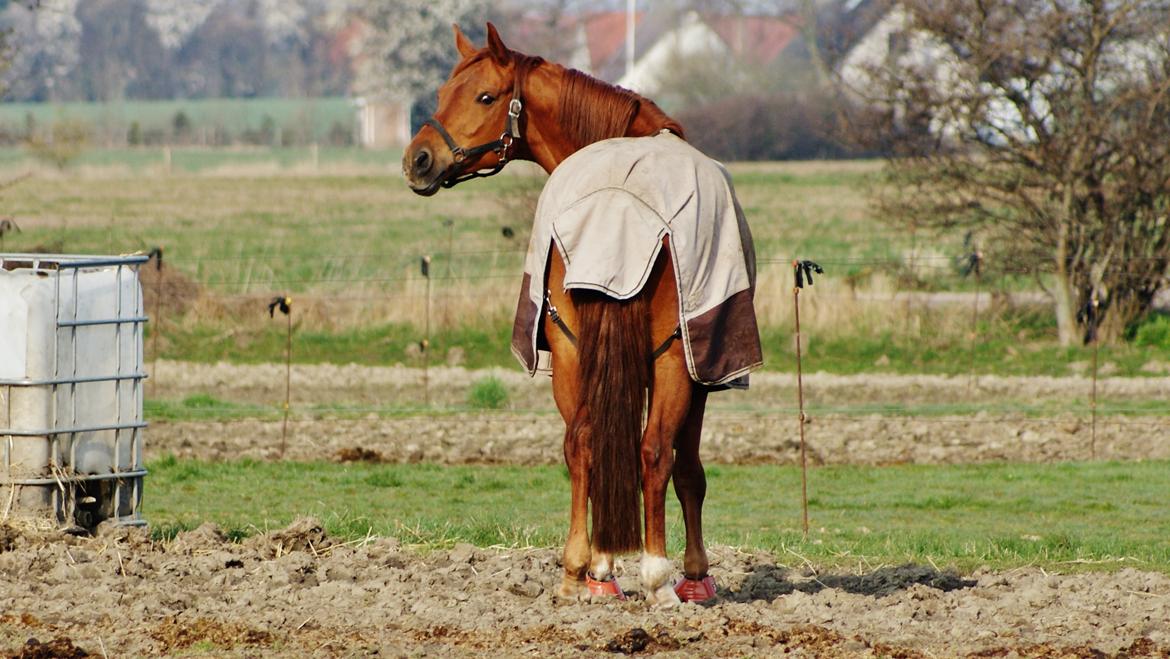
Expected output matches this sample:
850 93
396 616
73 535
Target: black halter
499 147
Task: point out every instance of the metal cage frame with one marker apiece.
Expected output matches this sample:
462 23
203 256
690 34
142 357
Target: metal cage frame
77 498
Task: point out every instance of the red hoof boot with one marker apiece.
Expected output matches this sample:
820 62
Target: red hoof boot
608 588
695 590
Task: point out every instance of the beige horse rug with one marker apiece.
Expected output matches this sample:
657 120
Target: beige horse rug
608 207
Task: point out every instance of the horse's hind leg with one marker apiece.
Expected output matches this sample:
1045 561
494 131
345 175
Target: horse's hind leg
670 398
690 484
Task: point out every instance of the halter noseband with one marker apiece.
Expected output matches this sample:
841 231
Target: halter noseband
499 147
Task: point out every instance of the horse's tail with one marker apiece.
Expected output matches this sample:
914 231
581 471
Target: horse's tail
614 370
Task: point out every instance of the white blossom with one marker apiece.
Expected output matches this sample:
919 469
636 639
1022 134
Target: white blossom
175 20
409 47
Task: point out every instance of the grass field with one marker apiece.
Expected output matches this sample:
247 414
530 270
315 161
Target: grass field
345 238
1066 516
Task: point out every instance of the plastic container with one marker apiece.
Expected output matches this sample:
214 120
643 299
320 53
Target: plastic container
71 372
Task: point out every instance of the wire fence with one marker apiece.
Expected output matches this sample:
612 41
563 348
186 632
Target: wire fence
967 396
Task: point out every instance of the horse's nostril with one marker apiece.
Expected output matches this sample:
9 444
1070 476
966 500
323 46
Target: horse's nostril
422 161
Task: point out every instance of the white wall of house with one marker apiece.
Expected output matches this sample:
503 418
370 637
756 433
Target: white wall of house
381 124
691 38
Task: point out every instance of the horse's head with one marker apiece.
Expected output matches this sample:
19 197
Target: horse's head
477 120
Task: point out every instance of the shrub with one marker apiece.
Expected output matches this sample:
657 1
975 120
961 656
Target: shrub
785 126
66 141
1155 332
488 394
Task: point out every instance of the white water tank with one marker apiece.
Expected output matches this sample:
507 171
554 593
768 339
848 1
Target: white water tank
71 389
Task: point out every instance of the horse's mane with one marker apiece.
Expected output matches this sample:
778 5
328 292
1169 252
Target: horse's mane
592 110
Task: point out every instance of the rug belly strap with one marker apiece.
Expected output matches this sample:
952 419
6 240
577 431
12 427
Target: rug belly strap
554 316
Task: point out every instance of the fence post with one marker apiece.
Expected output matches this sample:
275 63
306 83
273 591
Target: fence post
801 270
425 267
1093 399
974 266
7 225
157 254
284 303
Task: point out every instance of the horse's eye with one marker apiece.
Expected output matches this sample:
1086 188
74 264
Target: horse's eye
485 98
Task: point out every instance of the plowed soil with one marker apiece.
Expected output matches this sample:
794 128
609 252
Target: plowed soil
864 419
298 592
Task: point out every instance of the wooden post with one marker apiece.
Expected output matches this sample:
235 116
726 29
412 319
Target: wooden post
801 271
800 417
1093 397
287 376
284 303
425 266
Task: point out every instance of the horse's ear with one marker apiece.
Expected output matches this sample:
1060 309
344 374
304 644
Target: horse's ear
496 46
462 43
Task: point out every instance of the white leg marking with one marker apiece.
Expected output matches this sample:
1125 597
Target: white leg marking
656 571
601 568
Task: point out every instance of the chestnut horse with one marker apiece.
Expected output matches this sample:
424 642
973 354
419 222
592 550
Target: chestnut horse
601 380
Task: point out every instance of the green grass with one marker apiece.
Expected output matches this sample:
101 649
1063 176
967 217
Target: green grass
1063 516
1010 344
200 407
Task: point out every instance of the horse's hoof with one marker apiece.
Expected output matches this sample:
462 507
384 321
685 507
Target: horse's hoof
573 590
663 597
607 588
695 590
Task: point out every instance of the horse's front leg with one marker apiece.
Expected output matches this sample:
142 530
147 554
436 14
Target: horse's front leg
670 399
577 459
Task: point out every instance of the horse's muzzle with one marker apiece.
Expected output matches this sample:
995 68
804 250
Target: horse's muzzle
423 173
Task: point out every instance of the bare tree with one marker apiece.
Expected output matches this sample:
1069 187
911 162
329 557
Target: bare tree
1043 127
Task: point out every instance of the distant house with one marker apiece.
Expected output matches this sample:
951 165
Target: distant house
882 37
596 42
738 40
888 39
381 123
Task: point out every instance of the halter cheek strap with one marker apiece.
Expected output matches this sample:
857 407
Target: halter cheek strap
499 147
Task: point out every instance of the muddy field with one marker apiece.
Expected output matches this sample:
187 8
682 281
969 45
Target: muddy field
297 592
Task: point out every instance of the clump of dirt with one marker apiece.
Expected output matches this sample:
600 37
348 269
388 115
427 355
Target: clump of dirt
8 538
635 640
58 648
305 534
166 291
206 536
819 640
174 634
358 454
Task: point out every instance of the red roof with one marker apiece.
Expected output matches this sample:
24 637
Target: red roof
755 39
605 34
